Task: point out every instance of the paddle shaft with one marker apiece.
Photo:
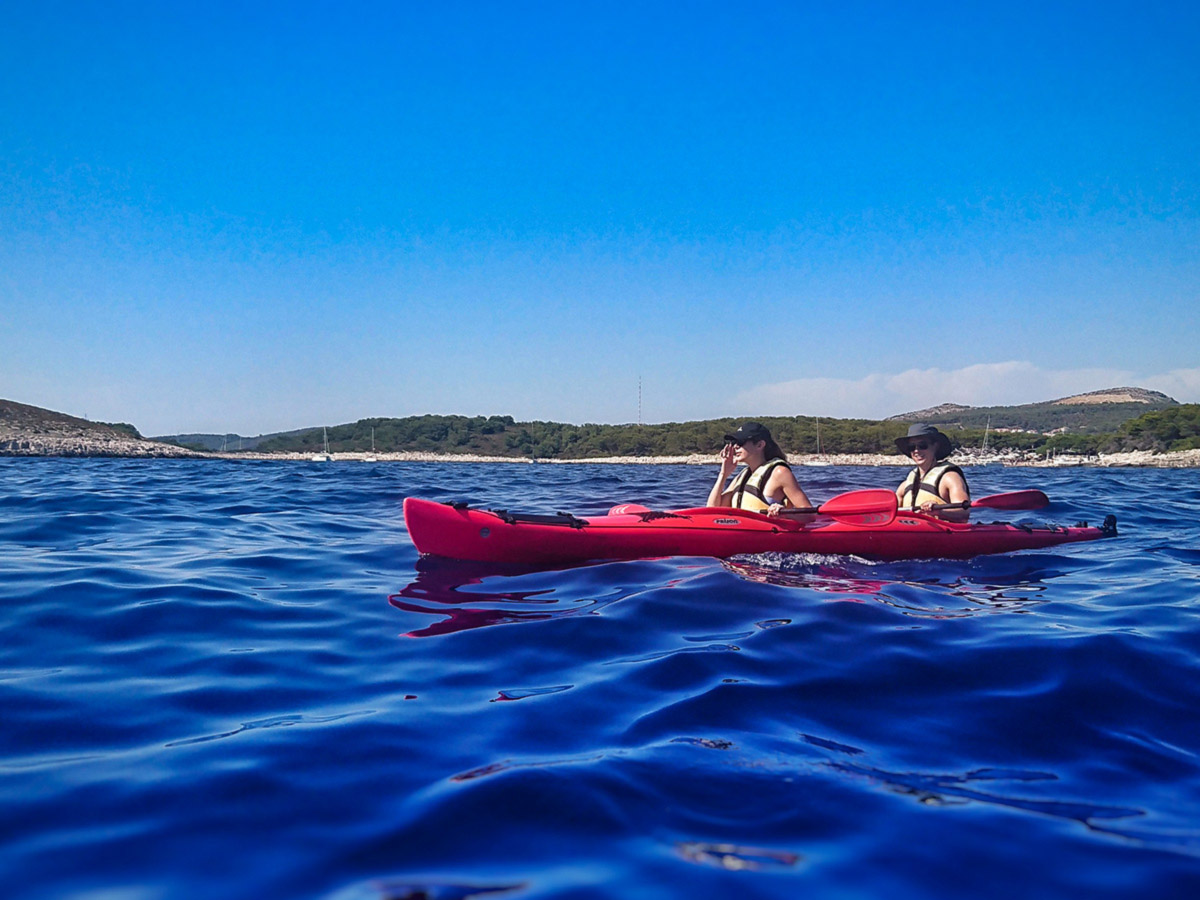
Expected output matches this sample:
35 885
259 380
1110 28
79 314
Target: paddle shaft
1010 500
871 502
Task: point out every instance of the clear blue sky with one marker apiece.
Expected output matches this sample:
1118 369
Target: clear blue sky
260 216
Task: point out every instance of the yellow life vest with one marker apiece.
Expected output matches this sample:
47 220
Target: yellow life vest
748 487
915 491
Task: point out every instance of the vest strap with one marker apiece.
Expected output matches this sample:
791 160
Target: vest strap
752 483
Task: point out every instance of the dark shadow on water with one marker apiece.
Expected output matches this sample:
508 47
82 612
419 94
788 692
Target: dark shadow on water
466 594
933 588
1180 554
947 790
986 785
409 889
450 583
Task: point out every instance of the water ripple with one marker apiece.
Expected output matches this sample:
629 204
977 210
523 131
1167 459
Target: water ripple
238 680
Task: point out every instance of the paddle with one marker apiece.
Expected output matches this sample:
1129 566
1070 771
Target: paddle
626 509
874 506
883 503
1011 500
878 506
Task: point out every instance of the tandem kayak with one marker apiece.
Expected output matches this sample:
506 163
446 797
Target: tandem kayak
458 531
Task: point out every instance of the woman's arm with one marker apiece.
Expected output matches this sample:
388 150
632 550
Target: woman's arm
953 490
718 496
783 480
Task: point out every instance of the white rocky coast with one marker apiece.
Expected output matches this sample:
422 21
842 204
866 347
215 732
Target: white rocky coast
32 431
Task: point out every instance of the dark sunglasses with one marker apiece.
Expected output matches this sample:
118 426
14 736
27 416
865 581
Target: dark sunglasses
919 445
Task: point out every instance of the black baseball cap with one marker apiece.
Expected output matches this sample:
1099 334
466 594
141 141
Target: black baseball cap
748 431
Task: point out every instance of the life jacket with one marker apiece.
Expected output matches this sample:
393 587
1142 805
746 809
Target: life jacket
915 492
748 487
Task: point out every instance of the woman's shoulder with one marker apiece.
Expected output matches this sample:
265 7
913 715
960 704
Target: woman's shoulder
781 469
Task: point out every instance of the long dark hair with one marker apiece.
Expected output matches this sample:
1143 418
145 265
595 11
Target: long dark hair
771 449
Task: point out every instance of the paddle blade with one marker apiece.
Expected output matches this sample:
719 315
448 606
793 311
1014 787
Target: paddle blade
625 509
1013 500
869 507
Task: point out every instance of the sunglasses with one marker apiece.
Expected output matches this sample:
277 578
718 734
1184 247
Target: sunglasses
919 445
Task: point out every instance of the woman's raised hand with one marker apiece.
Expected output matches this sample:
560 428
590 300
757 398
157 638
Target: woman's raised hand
728 464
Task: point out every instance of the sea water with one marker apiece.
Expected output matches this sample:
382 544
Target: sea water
231 680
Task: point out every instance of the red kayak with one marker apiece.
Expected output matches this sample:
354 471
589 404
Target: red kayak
856 524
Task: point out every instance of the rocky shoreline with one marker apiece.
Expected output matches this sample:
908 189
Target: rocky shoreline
29 431
120 446
124 448
1136 459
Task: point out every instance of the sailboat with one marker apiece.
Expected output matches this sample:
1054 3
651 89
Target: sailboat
371 457
819 460
989 455
323 457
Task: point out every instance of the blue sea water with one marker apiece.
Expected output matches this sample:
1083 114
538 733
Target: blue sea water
235 680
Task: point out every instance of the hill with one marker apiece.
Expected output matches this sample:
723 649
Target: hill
224 443
1096 412
1118 395
32 431
503 436
1169 429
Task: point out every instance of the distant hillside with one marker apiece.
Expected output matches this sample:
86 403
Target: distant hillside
1119 395
32 431
503 436
1170 429
228 443
1096 412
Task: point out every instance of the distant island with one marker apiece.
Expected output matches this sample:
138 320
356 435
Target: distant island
32 431
1119 420
1096 412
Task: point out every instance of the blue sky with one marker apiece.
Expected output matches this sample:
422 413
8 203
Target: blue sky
260 216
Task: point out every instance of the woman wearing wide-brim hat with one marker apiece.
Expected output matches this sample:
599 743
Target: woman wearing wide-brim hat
766 485
933 481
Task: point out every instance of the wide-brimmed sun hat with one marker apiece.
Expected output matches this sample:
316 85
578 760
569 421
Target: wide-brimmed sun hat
941 443
749 431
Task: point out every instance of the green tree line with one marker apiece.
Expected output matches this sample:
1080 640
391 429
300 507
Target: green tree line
1175 428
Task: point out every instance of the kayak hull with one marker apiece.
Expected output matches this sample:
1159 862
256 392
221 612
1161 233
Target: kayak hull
460 532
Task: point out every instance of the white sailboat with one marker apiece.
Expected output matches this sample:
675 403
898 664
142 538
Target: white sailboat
371 457
323 457
819 460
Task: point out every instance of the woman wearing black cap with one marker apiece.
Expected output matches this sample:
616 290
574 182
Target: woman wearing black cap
766 485
932 482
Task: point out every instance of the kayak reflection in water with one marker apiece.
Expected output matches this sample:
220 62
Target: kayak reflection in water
766 485
932 482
